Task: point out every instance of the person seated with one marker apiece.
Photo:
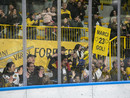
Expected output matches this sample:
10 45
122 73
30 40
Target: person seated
10 76
65 13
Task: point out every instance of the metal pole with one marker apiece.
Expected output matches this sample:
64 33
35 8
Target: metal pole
24 43
118 40
90 39
59 40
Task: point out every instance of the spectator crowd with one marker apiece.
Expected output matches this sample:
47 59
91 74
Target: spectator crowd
74 69
72 15
74 66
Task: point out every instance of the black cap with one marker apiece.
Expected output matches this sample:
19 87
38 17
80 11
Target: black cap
30 55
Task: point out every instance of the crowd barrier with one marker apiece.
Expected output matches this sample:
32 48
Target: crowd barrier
43 32
112 51
118 89
74 34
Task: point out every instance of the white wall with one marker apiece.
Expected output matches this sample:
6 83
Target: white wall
96 91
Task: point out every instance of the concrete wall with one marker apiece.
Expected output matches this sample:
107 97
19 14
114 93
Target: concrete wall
72 91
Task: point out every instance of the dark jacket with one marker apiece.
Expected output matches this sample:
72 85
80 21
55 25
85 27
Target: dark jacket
72 7
12 20
74 23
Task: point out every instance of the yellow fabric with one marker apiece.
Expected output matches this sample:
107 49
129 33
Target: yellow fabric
29 22
128 72
66 12
102 6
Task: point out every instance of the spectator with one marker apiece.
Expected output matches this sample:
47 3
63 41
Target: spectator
72 7
113 27
95 4
113 14
32 78
30 58
3 20
105 75
10 76
96 21
11 7
2 81
124 30
65 31
64 12
31 31
80 11
47 17
127 22
14 19
42 78
83 3
47 20
128 68
113 72
75 33
78 51
54 18
3 17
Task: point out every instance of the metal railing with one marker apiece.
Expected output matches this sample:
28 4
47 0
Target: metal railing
124 44
43 32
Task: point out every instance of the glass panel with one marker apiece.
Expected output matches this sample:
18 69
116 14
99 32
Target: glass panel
104 63
74 37
11 43
42 38
125 39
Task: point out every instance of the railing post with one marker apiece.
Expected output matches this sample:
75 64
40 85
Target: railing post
110 56
59 40
118 41
90 39
24 43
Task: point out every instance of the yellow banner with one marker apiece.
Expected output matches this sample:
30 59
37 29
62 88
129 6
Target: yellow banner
12 50
101 40
106 1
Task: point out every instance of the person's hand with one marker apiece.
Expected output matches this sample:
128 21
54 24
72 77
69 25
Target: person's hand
55 55
28 75
107 77
73 74
10 79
